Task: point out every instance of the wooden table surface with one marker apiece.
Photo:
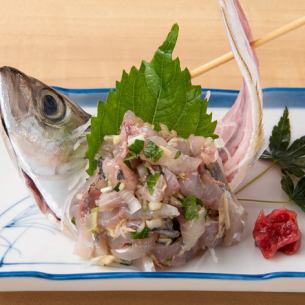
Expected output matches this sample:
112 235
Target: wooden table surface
87 43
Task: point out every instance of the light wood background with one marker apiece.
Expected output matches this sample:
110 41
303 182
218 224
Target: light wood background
87 43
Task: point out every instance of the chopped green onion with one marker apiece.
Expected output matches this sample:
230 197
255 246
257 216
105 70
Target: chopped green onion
190 206
168 259
73 220
141 234
152 180
137 146
117 187
153 151
134 149
130 156
206 216
178 154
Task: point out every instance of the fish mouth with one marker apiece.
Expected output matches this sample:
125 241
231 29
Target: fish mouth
43 206
41 202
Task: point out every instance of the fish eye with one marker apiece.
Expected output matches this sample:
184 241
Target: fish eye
52 107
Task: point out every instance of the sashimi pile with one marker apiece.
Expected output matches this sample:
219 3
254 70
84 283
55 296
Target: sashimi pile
157 200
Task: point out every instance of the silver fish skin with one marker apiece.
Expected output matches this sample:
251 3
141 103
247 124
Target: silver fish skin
44 132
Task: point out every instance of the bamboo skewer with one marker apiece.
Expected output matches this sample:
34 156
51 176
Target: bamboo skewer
255 43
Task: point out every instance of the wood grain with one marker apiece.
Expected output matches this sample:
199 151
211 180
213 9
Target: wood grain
151 298
87 43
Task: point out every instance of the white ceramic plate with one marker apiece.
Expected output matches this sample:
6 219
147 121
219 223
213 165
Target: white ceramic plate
34 255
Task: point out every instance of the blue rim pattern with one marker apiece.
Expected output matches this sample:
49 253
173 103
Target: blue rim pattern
274 97
106 90
153 275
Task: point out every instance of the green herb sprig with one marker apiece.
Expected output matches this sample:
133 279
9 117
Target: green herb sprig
295 191
290 157
157 92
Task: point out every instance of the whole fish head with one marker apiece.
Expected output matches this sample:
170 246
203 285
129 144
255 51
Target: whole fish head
45 135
